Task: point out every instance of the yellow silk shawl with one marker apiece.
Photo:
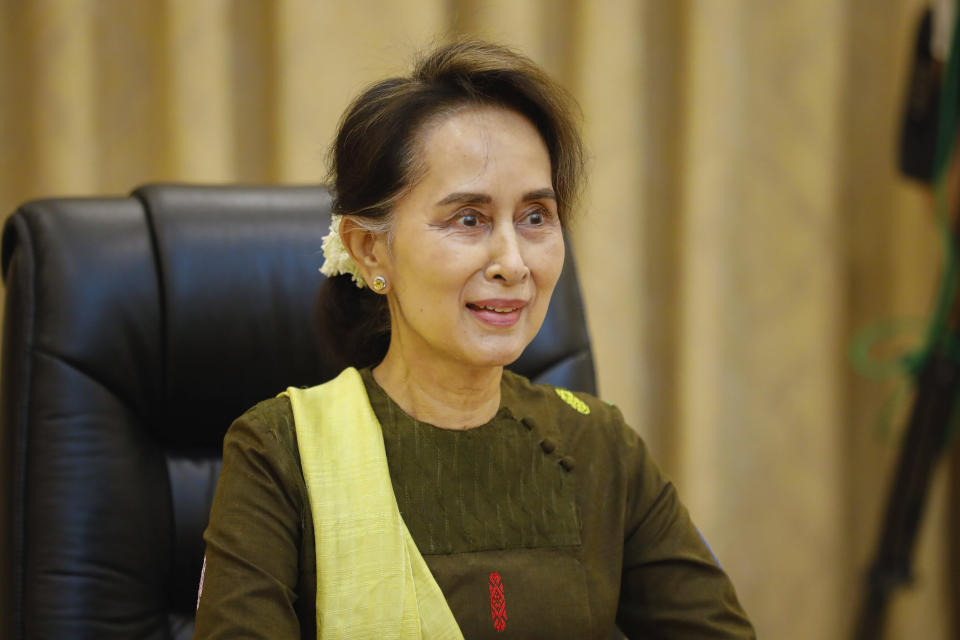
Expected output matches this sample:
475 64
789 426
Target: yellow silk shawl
372 581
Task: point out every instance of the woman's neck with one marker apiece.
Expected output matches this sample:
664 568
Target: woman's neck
446 395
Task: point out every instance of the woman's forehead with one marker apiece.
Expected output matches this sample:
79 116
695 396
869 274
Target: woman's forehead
475 123
479 144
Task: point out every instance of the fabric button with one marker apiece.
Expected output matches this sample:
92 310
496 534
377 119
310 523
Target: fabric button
548 445
528 423
567 463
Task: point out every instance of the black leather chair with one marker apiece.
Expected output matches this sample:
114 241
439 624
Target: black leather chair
136 328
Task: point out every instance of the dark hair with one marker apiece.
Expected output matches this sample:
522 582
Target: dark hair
374 160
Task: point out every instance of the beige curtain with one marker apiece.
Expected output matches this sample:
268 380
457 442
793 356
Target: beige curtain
744 218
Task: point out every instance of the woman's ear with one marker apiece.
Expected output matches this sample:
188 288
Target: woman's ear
365 247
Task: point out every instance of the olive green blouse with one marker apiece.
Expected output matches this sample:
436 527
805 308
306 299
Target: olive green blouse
549 521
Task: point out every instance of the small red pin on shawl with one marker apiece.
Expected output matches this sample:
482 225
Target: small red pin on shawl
498 603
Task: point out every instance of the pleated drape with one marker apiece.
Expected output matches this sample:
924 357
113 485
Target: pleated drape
744 218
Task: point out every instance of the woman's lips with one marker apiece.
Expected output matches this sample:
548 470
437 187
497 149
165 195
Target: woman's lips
497 312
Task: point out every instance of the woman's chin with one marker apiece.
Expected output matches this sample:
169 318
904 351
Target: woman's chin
499 357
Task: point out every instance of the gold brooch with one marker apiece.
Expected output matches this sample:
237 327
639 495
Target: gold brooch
579 405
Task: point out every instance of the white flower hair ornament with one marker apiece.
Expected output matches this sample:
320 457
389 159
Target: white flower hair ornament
336 258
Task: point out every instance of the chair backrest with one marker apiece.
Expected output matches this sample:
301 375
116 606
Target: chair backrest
136 328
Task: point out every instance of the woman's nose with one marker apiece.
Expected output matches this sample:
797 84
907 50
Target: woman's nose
506 259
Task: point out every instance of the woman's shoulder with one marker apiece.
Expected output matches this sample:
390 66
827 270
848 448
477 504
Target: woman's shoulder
271 414
571 413
266 426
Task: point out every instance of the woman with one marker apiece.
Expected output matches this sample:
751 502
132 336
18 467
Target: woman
433 493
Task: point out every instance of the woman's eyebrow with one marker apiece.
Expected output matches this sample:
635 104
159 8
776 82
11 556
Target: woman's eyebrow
540 194
460 197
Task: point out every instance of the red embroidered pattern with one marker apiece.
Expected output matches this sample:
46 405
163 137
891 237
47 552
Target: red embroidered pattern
498 603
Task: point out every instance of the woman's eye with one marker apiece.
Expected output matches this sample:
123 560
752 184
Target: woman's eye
537 217
468 219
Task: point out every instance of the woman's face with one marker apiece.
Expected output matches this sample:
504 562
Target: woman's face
477 245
